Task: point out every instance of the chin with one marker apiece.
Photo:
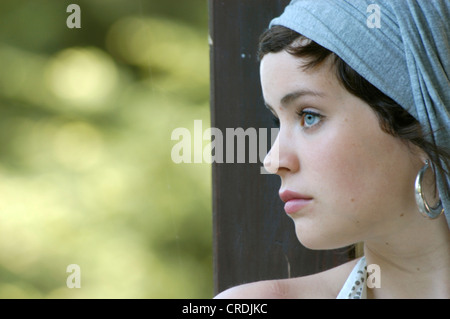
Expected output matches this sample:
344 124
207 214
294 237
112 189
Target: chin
312 243
317 240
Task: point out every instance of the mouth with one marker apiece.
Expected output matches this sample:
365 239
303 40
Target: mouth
294 202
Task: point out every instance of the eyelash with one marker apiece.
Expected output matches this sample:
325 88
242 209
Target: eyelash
301 114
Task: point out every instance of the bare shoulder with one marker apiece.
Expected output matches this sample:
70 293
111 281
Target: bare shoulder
326 284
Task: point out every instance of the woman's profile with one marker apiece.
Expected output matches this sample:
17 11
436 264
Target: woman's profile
361 93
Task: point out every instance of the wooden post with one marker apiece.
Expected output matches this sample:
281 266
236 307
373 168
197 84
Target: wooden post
253 238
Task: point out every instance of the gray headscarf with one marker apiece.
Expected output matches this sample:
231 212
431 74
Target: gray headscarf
400 46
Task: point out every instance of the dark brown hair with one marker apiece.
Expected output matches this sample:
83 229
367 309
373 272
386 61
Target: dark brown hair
394 119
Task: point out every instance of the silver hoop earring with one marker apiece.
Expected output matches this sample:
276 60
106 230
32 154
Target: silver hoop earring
424 208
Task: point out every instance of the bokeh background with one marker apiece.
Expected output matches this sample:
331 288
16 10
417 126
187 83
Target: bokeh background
86 175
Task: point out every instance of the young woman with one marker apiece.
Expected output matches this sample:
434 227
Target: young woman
362 97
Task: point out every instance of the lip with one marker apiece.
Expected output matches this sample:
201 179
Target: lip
294 202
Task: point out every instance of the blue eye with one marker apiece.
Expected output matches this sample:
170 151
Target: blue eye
309 119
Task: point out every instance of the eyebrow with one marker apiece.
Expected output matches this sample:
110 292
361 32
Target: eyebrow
291 97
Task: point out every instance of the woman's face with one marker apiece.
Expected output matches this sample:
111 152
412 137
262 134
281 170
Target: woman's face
358 181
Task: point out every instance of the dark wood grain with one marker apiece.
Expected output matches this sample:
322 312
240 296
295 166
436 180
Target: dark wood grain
253 237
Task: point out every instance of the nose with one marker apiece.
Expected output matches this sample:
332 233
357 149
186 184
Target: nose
282 156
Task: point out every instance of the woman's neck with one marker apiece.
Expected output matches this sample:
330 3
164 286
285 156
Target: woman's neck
413 262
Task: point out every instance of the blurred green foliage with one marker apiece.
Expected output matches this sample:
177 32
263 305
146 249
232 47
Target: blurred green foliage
86 175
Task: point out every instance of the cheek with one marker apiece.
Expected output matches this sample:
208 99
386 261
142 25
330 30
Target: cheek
360 170
336 166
